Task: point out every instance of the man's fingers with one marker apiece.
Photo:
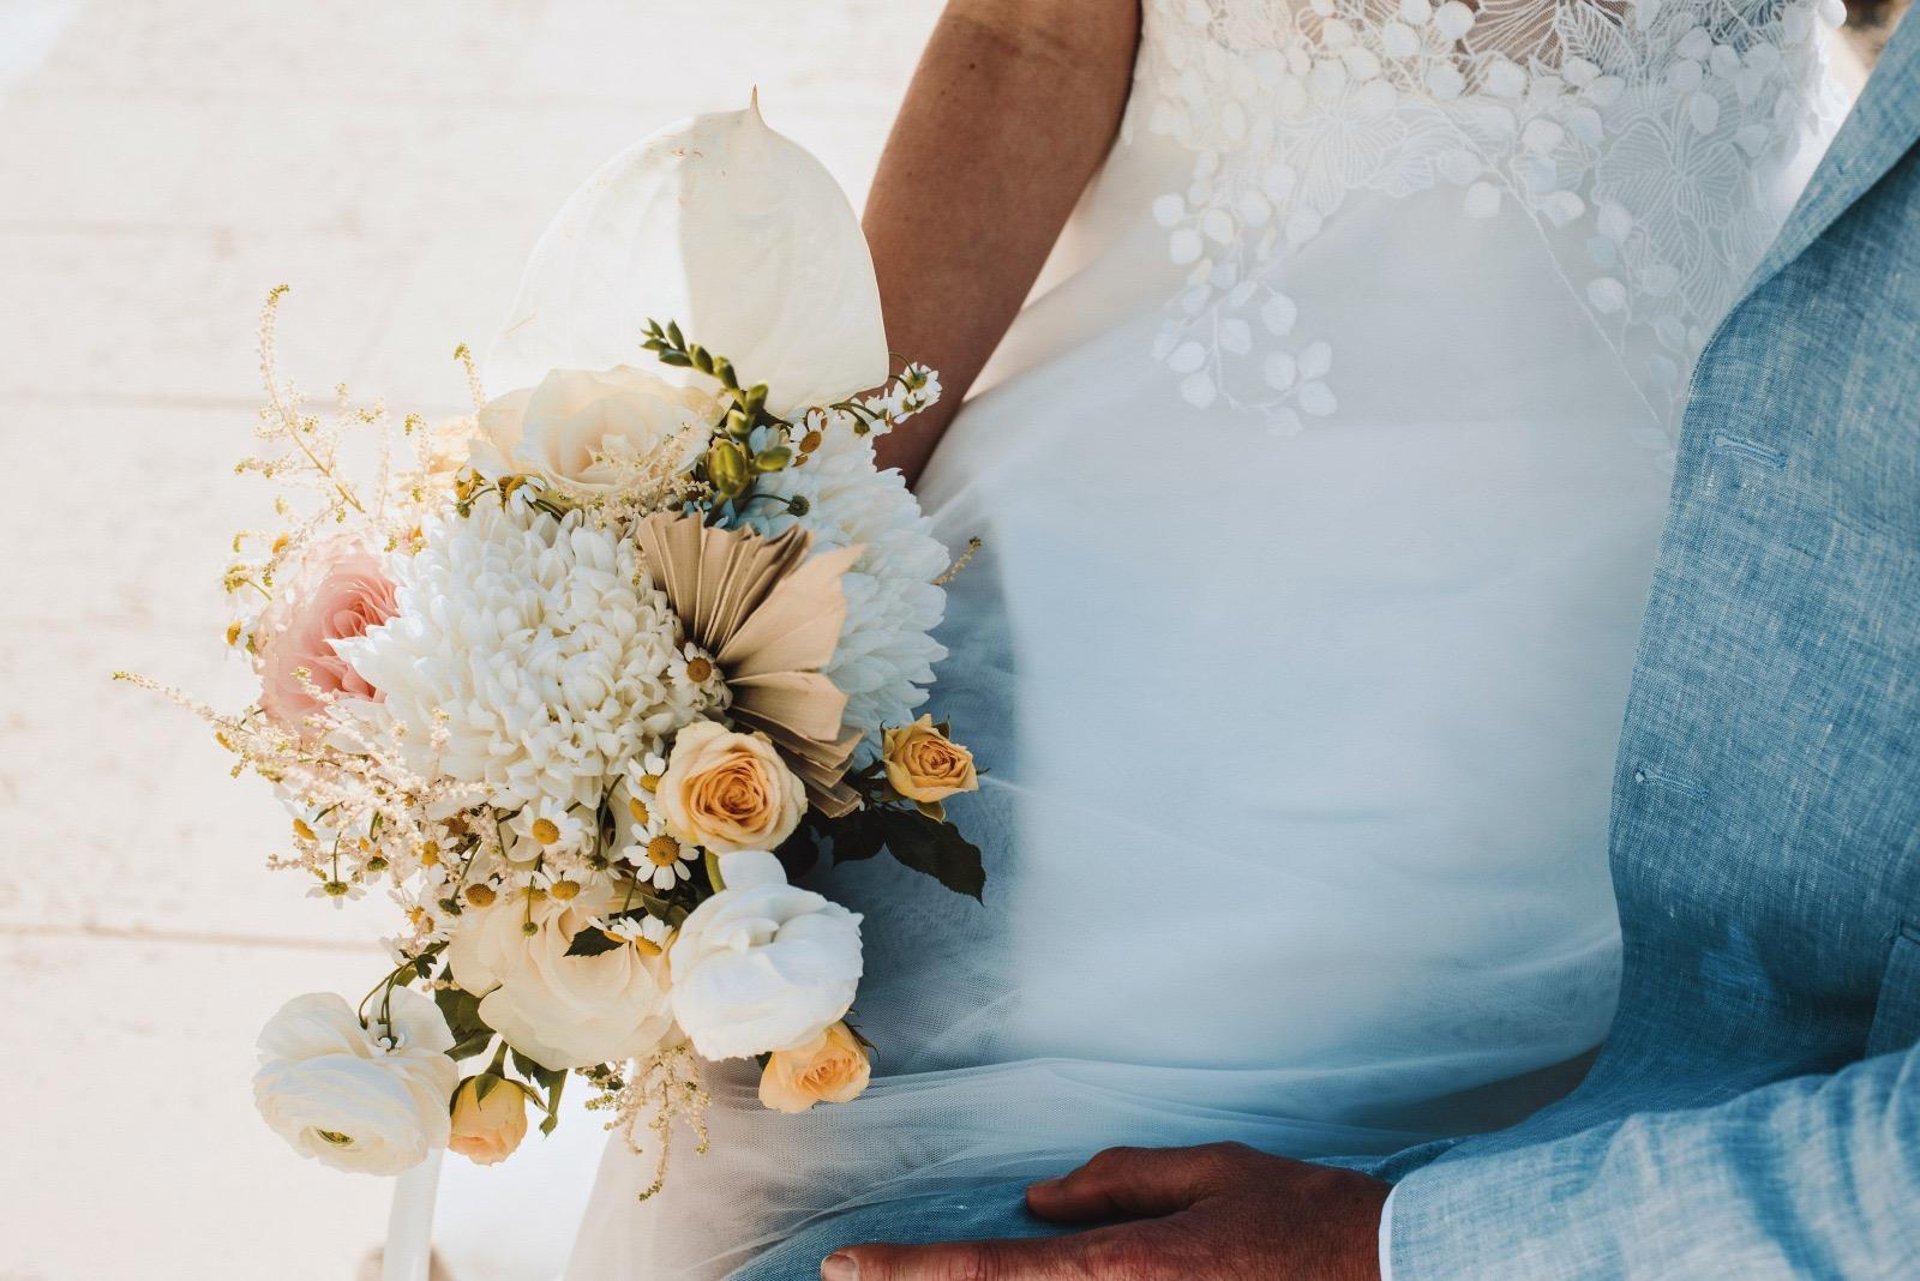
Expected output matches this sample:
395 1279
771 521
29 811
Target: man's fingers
1139 1182
1126 1253
971 1261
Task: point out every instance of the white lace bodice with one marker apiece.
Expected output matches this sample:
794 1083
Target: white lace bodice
1650 143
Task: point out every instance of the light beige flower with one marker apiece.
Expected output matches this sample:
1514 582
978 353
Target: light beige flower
728 792
833 1068
925 765
559 1010
487 1130
580 427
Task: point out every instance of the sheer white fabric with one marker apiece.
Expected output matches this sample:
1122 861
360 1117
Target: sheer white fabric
1318 512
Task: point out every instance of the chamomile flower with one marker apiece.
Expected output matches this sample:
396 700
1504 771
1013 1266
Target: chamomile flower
339 892
642 773
648 933
549 825
663 861
561 885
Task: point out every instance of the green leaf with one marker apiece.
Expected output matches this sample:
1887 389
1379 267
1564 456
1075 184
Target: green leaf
553 1103
546 1078
856 836
471 1047
800 852
461 1009
928 845
591 942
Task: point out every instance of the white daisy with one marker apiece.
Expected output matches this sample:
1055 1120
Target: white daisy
661 860
647 932
551 826
338 892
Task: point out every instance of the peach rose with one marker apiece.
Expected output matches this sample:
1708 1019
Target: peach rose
333 589
729 792
925 765
487 1129
832 1068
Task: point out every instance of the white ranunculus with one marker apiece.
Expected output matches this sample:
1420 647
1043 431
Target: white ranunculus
735 232
762 965
346 1095
561 1011
579 425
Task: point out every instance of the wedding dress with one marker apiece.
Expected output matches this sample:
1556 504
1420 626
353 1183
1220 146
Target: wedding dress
1318 489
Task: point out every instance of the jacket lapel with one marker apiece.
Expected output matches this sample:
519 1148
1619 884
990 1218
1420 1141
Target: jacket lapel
1883 125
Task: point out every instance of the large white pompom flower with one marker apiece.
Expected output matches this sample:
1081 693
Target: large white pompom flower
535 648
762 965
885 657
353 1098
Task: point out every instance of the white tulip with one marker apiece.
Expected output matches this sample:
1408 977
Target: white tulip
722 225
762 965
356 1098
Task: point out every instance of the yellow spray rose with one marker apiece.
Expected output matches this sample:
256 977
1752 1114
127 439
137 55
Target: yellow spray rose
487 1130
925 765
831 1068
729 792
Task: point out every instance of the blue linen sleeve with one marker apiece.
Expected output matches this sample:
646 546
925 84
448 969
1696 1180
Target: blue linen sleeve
1817 1176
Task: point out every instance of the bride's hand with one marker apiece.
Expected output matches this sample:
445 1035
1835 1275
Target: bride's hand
1013 108
1223 1212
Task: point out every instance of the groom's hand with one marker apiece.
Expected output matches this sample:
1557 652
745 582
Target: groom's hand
1218 1213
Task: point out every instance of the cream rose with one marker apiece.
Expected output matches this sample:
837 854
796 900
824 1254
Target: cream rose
560 1011
729 792
332 590
832 1068
489 1118
762 965
923 764
578 425
351 1097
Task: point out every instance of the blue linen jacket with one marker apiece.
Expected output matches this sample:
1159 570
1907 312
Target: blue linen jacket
1755 1111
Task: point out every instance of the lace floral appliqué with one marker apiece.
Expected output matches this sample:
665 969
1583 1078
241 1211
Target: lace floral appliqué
1656 128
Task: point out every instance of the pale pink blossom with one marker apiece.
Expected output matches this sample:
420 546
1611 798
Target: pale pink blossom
332 590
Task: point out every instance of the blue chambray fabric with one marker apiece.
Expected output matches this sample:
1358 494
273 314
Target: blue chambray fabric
1756 1109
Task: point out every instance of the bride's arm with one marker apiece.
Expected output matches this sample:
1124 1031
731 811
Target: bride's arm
1011 111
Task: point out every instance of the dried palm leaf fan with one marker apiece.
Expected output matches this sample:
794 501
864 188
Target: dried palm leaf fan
770 616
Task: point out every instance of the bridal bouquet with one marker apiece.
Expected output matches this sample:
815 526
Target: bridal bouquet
577 681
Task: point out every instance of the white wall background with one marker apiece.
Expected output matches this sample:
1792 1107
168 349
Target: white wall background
163 163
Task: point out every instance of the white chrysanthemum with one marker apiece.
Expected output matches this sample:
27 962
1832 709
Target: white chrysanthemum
527 654
885 657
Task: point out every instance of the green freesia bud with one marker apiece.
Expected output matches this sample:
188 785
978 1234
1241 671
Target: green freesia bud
727 469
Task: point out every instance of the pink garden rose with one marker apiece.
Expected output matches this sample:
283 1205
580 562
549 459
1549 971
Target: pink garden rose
332 590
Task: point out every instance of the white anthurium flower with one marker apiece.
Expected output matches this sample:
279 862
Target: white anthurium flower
373 1101
762 965
731 230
